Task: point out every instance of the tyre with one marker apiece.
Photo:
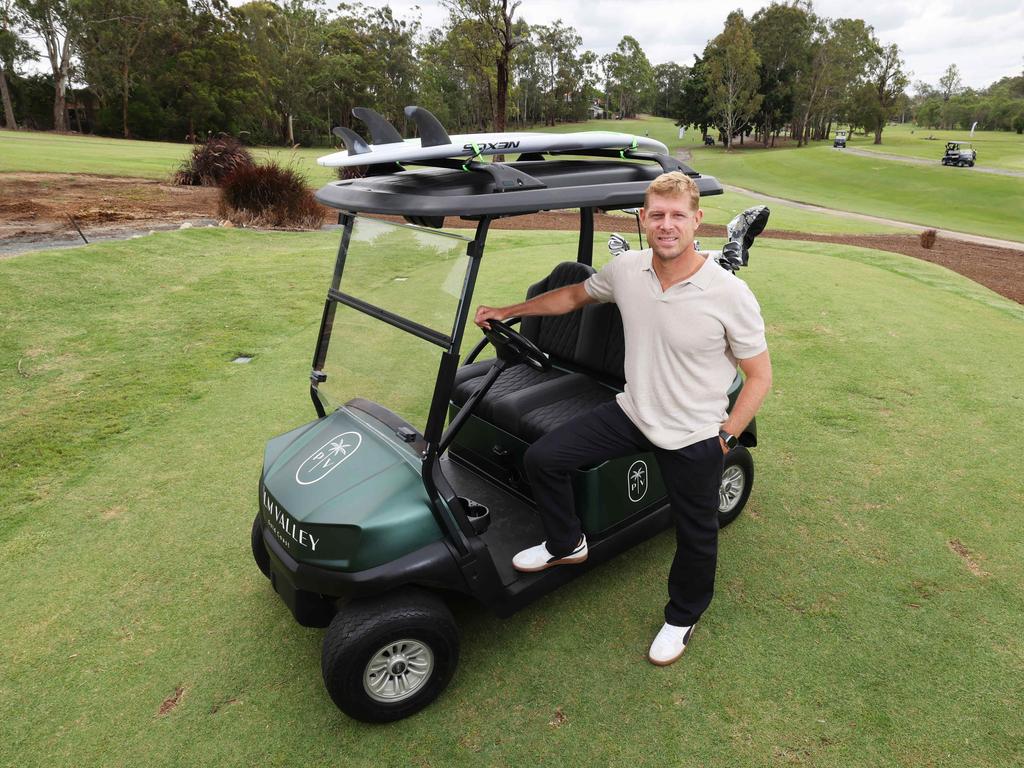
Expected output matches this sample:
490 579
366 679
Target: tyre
970 164
389 656
737 480
259 549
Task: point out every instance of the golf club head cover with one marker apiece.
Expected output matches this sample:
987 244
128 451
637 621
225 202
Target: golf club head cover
747 226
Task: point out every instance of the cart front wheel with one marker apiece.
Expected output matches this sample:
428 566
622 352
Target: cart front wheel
737 480
389 656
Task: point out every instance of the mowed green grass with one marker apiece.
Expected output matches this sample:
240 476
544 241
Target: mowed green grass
983 204
38 152
870 601
979 203
996 149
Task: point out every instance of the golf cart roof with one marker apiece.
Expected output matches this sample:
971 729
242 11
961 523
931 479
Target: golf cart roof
610 177
959 144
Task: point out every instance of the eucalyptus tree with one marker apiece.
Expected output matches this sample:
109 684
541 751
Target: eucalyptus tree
56 23
564 80
782 39
493 23
632 77
117 38
696 108
887 80
13 50
841 50
670 83
732 75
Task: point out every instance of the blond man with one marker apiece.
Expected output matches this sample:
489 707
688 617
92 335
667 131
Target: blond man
688 323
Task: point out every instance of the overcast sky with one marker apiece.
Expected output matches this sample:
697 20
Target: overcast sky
984 38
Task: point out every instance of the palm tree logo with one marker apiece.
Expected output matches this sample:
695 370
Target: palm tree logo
636 480
327 457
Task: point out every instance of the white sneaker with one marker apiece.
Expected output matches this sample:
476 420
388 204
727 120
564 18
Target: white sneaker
539 559
669 644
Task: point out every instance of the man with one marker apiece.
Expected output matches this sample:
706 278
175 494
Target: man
687 323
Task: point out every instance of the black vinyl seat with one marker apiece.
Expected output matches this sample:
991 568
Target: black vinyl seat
557 336
587 350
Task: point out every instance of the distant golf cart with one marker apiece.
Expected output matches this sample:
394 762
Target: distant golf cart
366 521
708 141
839 142
960 154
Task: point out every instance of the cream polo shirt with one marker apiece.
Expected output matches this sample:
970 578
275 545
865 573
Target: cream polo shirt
682 345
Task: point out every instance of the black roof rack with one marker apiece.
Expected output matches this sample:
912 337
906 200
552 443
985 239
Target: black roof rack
537 181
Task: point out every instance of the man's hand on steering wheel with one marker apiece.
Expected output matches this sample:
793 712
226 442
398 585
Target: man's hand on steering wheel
512 347
483 314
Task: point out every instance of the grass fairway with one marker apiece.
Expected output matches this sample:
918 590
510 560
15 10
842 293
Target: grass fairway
996 149
40 152
847 629
979 203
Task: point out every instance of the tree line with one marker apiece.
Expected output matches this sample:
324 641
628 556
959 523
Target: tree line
288 71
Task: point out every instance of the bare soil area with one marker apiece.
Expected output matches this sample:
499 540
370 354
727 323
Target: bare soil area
45 208
41 209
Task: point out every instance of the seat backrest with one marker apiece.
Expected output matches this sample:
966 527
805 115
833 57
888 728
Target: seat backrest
602 345
557 335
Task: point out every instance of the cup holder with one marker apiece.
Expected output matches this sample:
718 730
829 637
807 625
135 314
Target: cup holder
479 515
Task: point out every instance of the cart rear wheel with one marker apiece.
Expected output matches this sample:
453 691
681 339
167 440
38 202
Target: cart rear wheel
259 549
389 656
737 480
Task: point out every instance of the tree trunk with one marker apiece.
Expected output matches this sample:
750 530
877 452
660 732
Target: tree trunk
291 131
5 93
501 100
60 105
878 133
124 101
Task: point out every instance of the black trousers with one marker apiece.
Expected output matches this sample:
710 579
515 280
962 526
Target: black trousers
692 475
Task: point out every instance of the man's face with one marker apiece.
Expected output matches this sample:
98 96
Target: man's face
670 224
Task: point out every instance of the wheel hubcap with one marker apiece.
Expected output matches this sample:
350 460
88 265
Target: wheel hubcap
731 489
398 670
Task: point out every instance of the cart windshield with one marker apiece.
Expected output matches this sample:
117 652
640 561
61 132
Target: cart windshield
411 272
397 302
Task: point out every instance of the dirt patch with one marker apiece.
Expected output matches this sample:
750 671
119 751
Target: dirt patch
171 702
44 207
39 207
957 547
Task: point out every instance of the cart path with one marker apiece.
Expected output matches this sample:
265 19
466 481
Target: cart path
963 236
931 163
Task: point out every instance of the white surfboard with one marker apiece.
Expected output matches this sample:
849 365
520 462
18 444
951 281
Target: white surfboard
477 144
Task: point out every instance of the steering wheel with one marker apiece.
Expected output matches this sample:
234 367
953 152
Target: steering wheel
513 347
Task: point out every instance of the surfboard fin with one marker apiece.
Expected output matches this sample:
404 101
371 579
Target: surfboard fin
432 133
353 141
381 131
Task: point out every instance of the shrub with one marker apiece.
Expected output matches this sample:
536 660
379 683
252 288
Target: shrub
928 238
270 195
213 161
352 172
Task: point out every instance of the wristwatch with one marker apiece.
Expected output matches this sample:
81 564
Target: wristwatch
729 440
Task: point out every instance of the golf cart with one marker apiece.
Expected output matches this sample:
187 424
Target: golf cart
709 141
960 154
369 518
839 142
